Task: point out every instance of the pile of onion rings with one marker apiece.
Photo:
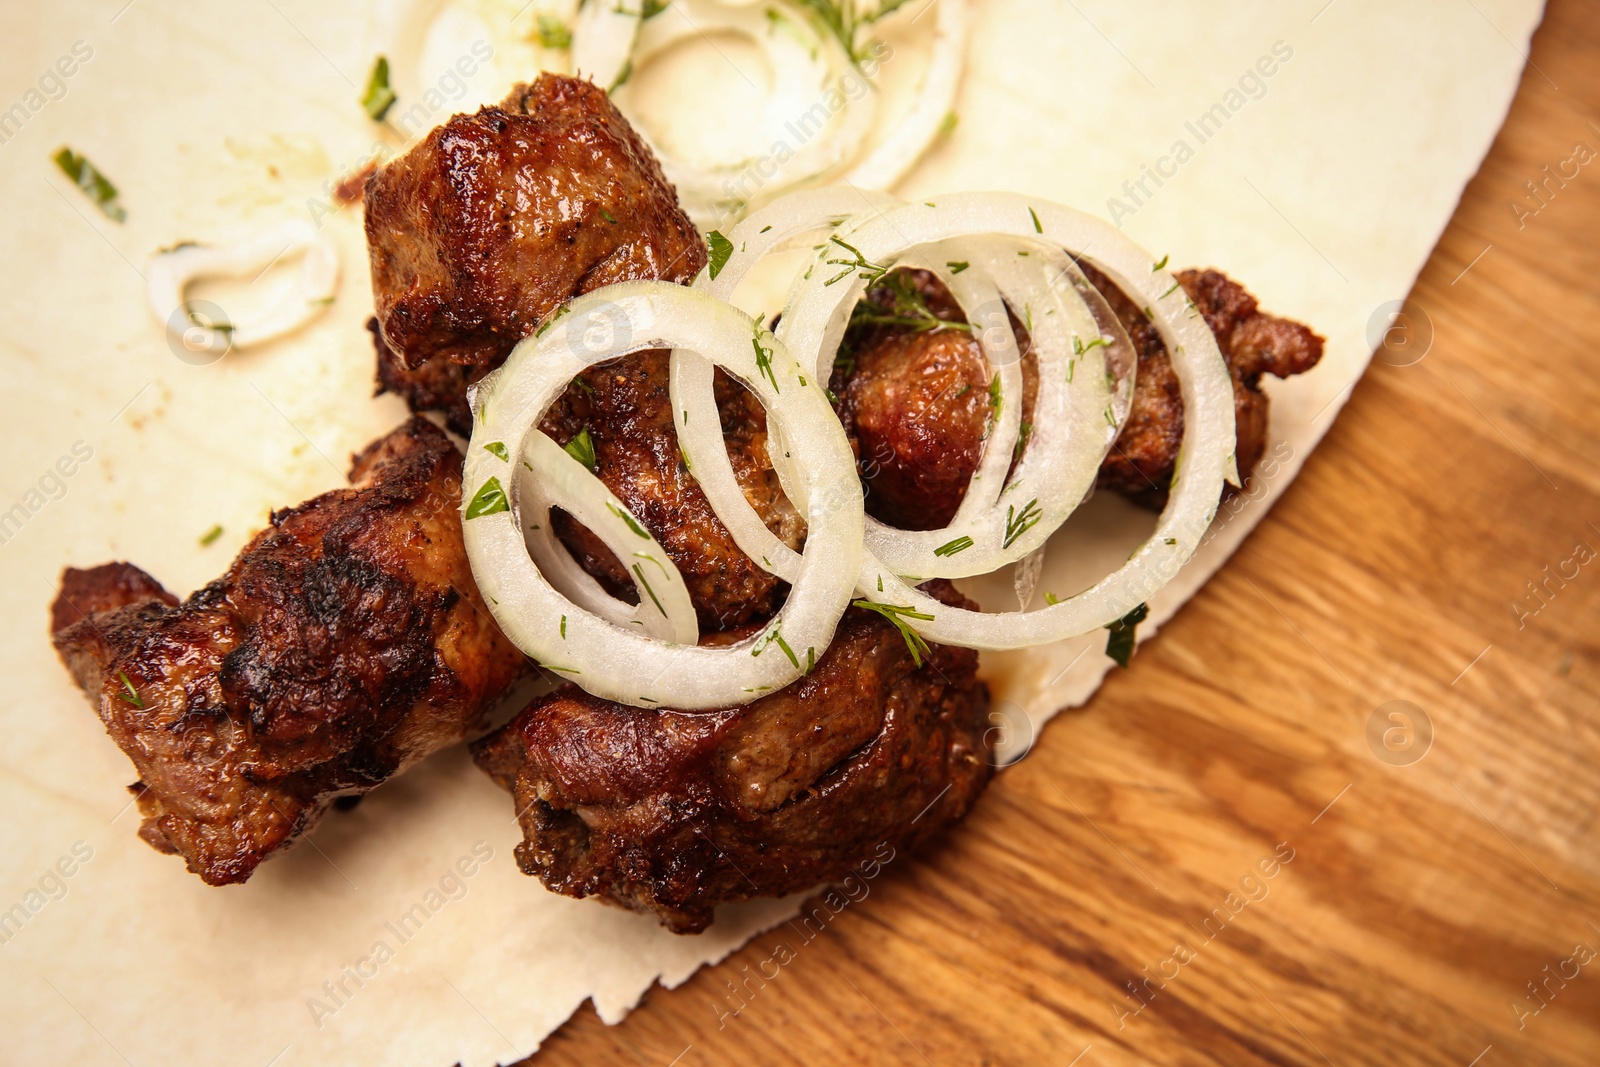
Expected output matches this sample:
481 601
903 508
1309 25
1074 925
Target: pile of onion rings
1005 258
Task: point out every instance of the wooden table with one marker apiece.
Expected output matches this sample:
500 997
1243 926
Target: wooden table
1423 895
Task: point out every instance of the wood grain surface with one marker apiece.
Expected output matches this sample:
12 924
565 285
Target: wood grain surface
1106 903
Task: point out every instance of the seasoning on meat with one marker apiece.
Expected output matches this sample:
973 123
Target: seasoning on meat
915 403
346 642
674 812
481 232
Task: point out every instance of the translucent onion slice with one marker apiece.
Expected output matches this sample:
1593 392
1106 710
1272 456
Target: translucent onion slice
617 661
171 272
819 109
1205 458
798 217
890 159
1076 414
548 477
603 37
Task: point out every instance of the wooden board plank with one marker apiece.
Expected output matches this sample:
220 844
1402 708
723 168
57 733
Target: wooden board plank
1421 900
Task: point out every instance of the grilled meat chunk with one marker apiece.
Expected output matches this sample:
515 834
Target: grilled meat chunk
1252 343
916 405
491 223
675 812
625 407
346 642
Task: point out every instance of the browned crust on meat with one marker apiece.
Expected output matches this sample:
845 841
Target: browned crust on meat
626 407
346 641
1252 343
674 812
916 404
493 221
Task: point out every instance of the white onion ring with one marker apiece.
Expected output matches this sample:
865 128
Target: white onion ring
612 660
891 158
814 320
170 273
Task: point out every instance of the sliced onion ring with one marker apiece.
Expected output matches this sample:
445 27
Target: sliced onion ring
615 661
171 272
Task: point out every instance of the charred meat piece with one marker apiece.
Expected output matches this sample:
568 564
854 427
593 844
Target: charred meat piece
914 399
916 405
675 812
626 409
483 230
346 642
1253 344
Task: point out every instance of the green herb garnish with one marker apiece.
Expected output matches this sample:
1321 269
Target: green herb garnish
622 77
379 97
498 450
1123 634
898 614
211 535
870 271
721 249
764 360
562 310
96 186
958 265
633 523
947 126
488 500
1037 226
846 20
1018 524
129 694
608 216
638 572
581 448
950 548
1160 265
553 33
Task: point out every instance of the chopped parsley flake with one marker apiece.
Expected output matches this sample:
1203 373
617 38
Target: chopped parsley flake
958 265
211 535
498 450
898 614
96 186
488 500
1123 635
581 448
379 97
721 249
